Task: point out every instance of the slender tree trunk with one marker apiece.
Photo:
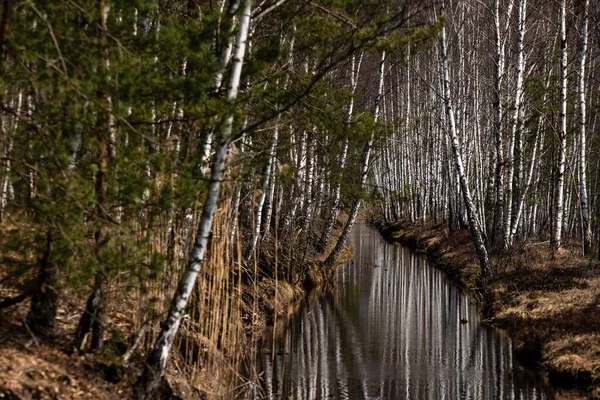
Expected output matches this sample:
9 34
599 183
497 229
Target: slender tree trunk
6 183
44 301
93 317
499 58
272 186
516 127
335 204
224 55
455 144
598 209
157 359
521 201
321 246
333 256
585 212
268 208
235 210
297 192
308 187
562 141
263 195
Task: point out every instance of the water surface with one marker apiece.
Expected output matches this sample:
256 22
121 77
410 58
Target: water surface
396 330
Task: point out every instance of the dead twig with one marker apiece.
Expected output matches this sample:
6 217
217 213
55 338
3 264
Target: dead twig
34 338
136 343
54 40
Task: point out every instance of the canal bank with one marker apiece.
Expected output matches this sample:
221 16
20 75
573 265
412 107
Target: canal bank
548 304
393 327
231 309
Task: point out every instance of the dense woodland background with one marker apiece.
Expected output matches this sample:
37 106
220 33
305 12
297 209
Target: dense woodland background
146 144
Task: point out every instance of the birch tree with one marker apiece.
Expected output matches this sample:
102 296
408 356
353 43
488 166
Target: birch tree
354 74
556 239
455 145
267 171
341 242
581 85
516 124
500 60
157 359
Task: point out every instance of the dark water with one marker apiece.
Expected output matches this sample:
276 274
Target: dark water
396 331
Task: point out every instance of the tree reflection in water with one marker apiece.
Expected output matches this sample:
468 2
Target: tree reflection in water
395 331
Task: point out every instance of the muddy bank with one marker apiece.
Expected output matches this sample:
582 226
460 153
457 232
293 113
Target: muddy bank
549 304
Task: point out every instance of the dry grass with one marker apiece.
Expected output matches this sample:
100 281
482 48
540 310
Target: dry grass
576 355
549 303
226 316
232 306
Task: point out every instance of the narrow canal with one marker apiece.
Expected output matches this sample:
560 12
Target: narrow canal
395 328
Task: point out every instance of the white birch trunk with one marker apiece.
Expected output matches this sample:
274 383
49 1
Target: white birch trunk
455 144
224 59
516 126
521 201
499 58
308 188
157 359
585 211
533 167
355 70
6 189
272 189
562 144
331 259
297 191
268 208
263 195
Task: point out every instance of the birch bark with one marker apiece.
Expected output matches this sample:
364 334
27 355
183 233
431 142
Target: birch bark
499 57
263 195
157 359
309 183
333 256
555 241
355 71
516 126
585 211
455 145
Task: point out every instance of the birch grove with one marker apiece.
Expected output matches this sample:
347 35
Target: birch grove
169 187
458 161
526 169
165 165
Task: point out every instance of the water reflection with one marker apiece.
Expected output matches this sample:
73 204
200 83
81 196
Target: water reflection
395 331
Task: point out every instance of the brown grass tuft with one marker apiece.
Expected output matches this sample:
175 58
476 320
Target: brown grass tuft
549 303
576 357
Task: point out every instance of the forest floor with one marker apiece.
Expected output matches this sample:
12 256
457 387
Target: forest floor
36 366
45 367
548 303
48 367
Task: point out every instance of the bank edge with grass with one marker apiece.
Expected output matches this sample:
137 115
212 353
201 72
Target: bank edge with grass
548 303
232 307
